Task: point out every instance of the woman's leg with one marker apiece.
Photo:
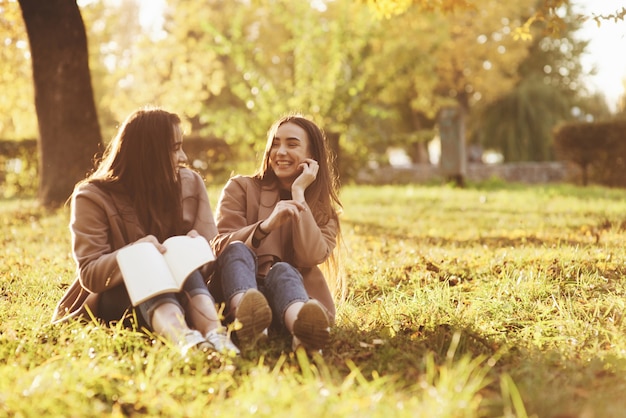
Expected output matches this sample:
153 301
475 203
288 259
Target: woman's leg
202 315
306 319
317 288
236 269
164 315
284 289
168 320
198 304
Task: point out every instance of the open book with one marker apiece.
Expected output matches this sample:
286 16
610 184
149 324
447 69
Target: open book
148 273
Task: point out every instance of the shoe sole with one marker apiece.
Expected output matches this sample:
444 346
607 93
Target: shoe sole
312 327
255 316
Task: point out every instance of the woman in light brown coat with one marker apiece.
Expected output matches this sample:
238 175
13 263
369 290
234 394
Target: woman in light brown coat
141 193
274 231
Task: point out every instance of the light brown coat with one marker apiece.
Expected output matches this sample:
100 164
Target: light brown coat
103 222
245 202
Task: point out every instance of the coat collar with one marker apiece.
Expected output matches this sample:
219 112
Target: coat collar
270 195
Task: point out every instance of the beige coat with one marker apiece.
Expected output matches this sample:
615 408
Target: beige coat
102 223
305 244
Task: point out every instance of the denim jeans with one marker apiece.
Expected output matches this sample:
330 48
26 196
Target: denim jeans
115 304
236 272
194 285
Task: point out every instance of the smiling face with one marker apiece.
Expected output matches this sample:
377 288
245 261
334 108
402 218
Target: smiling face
290 147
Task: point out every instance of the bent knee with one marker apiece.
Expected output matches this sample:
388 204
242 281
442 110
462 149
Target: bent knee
282 269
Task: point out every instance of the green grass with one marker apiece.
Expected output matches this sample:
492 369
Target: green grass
489 301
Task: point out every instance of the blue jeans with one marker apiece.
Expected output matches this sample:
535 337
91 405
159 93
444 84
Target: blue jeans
115 303
236 272
194 285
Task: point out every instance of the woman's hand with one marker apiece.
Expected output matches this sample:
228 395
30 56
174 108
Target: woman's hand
309 173
284 211
193 233
152 239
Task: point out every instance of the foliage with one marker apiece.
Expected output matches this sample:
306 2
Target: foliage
519 124
390 8
547 12
550 90
115 38
18 169
232 68
17 108
556 57
478 61
474 302
599 149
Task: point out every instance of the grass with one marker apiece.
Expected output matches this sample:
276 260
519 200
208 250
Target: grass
489 301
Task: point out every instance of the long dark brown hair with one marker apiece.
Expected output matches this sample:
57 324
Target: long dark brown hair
139 162
322 195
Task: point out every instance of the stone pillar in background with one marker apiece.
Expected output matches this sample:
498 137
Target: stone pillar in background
453 161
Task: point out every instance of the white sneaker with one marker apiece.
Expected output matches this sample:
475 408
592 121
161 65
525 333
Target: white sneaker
193 339
220 341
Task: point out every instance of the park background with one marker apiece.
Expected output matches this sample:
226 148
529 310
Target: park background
375 75
492 299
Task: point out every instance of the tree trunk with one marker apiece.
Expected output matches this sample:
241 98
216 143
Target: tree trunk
417 151
69 134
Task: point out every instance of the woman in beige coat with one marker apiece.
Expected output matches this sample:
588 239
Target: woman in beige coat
140 193
274 230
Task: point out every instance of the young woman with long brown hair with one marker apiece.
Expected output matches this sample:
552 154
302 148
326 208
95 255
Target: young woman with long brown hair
275 229
141 192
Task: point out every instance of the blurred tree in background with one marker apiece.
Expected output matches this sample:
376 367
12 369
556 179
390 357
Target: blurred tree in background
374 74
550 89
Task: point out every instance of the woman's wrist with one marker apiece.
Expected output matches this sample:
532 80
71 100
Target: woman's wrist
262 231
298 195
258 236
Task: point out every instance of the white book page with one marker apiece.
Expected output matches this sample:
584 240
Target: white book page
185 254
145 272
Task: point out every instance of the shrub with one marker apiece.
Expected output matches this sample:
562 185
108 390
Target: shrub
598 148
